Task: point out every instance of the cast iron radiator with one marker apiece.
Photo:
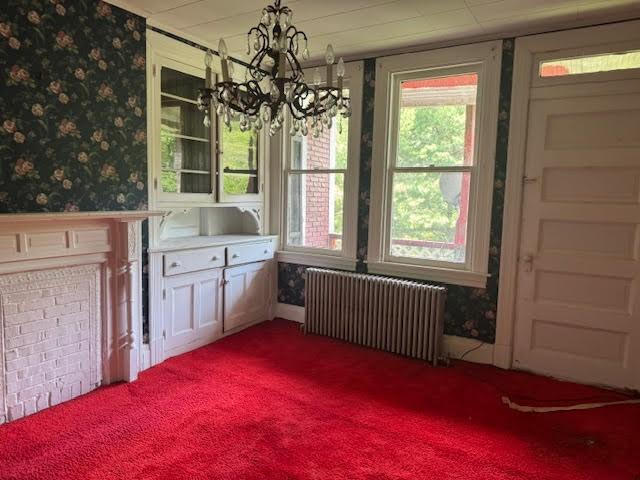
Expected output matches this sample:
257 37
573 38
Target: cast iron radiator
398 316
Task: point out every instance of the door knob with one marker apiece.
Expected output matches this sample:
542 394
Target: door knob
527 263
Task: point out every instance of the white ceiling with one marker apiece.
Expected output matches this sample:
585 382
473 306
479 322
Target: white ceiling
355 27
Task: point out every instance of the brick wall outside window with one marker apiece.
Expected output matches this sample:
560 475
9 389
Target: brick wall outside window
317 226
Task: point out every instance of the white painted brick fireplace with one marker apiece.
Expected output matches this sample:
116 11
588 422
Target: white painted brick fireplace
70 310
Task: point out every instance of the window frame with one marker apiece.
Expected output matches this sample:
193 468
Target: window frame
484 59
346 257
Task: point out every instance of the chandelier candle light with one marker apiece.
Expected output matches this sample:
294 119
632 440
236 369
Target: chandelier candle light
274 82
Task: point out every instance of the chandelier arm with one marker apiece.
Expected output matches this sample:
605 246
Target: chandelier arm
276 47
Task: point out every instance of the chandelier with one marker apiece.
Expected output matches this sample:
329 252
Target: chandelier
275 83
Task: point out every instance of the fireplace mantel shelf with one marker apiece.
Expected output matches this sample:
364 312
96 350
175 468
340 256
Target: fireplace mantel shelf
131 215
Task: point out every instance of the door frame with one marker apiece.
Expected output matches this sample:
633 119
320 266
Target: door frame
527 50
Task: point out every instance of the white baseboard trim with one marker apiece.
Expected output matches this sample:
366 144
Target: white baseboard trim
453 347
502 356
290 312
479 352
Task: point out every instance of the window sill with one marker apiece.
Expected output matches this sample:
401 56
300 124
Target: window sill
443 275
316 260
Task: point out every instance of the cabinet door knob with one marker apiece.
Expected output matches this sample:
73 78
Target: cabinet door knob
176 264
266 251
235 255
214 258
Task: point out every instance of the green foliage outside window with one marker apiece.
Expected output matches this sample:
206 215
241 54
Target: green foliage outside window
432 135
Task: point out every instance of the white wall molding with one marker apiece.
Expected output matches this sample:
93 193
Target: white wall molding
473 350
452 346
293 313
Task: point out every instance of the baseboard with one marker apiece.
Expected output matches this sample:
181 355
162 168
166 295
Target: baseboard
145 357
502 355
453 347
290 312
474 351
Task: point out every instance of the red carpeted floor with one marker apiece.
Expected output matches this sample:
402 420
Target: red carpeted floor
271 403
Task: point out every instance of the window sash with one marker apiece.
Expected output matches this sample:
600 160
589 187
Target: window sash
389 257
392 167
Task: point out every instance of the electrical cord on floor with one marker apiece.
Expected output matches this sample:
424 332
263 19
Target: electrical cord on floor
551 405
471 350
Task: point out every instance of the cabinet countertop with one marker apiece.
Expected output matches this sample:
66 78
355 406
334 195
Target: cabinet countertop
202 241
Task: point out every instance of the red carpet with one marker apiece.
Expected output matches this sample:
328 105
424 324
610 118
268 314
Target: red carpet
272 404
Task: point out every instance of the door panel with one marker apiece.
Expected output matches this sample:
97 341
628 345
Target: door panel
246 295
578 312
193 311
180 318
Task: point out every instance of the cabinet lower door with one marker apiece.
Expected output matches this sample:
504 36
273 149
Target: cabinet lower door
246 294
193 311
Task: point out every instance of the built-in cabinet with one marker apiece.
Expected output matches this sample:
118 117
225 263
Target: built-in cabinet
212 291
246 294
192 310
192 164
211 268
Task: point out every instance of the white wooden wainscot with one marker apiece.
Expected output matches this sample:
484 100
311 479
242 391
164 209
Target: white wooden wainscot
206 287
70 306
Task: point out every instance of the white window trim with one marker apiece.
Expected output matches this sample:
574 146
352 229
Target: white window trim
486 58
345 259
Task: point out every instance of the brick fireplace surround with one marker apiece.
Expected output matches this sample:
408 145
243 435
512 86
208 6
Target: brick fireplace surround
70 309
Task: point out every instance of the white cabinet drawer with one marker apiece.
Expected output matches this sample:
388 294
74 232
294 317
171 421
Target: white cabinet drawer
193 260
252 252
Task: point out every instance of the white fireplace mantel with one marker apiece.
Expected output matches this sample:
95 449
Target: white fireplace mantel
70 298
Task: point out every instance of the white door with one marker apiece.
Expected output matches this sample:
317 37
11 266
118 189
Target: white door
578 304
246 295
192 311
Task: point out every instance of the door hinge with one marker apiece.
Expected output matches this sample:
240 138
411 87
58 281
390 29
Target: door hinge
164 293
155 183
164 334
154 69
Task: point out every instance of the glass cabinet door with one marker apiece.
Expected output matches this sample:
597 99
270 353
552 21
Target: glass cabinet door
239 167
185 143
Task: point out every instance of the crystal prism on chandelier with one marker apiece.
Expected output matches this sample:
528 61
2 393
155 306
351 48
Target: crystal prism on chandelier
275 82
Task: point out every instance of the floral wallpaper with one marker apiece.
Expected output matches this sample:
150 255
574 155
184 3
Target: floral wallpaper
72 109
470 312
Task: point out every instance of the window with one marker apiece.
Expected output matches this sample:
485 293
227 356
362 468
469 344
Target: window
320 188
605 62
433 176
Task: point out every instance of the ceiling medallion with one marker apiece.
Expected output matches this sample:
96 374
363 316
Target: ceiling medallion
274 82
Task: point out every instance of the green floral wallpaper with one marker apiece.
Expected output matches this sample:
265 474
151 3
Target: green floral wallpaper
72 109
470 312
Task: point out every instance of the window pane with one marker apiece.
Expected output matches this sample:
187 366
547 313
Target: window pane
327 152
184 182
180 84
183 153
183 118
429 215
239 160
436 121
314 213
590 64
